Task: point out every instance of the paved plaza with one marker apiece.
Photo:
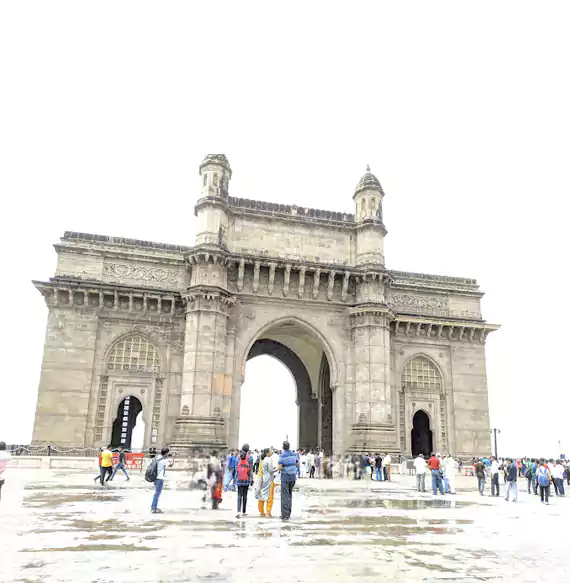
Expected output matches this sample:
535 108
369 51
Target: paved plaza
61 527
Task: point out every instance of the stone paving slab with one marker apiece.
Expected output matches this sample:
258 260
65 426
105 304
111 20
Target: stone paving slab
61 527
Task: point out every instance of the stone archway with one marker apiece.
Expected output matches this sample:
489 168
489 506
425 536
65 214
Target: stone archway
127 414
422 435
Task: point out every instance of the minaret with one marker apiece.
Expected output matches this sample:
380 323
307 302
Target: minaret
368 197
211 208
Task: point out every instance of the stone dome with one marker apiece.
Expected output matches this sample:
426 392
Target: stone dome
219 159
368 182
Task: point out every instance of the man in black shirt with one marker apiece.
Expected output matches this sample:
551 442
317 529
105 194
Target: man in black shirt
121 464
378 465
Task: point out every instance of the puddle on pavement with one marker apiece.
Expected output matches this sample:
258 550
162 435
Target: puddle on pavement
404 504
54 500
88 548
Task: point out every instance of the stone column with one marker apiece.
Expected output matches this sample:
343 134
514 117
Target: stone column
373 427
201 424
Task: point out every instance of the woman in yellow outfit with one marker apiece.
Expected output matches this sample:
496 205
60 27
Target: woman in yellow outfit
266 486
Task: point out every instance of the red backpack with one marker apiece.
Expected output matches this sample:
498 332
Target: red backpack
243 468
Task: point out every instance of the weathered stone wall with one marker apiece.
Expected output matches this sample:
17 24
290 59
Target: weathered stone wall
292 239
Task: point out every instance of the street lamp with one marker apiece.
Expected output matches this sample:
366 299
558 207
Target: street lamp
494 431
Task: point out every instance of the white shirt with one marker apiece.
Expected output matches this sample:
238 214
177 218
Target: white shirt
387 461
420 465
494 468
162 464
557 471
4 461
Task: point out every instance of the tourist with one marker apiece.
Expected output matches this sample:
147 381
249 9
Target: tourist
558 477
288 465
303 466
106 465
386 466
480 472
435 467
4 461
162 462
311 464
529 473
543 478
450 471
551 468
244 479
318 464
512 477
420 467
494 471
378 466
120 465
98 476
230 476
265 490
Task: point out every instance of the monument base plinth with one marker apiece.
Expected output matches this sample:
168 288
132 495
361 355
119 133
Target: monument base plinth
199 434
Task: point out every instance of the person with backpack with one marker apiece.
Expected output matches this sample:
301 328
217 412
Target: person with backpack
156 473
543 478
244 478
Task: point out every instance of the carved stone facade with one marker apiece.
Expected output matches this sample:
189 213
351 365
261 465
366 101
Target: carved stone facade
174 326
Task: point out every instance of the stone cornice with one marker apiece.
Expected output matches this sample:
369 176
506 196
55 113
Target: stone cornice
442 328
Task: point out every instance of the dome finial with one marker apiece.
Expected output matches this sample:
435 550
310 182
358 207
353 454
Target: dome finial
367 167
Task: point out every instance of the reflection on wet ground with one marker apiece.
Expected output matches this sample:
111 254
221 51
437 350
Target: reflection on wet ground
65 528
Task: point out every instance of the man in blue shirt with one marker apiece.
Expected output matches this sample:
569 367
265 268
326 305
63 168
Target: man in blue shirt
512 476
287 465
230 477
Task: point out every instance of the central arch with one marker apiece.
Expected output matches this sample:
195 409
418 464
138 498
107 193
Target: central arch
127 416
307 355
422 436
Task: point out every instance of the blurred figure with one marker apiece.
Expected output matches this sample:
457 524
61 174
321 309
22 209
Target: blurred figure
420 467
120 465
265 490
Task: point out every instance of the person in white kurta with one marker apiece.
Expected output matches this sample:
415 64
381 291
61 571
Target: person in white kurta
450 468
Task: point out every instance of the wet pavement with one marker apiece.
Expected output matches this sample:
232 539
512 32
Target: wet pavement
61 527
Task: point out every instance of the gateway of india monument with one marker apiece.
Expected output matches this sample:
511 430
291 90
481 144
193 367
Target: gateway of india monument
384 360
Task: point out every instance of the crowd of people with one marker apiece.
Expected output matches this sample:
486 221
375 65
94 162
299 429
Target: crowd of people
540 475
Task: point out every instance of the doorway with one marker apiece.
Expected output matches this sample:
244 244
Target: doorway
422 436
127 417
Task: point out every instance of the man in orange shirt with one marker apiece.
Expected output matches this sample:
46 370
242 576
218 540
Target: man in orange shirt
434 465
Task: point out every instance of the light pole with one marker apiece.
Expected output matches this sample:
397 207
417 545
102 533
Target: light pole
494 431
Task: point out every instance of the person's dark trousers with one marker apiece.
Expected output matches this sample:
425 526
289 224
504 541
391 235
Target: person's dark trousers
544 493
535 484
105 472
555 486
312 472
495 485
385 472
560 485
287 485
436 482
242 499
529 482
481 484
1 484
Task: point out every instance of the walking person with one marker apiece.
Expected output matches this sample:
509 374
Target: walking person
106 465
435 467
480 472
543 478
512 480
265 490
4 461
420 467
288 464
494 470
244 479
529 474
120 465
158 467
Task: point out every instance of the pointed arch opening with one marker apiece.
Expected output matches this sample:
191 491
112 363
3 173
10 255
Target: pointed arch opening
129 413
422 435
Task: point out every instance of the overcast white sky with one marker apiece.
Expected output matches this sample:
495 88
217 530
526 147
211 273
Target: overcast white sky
461 109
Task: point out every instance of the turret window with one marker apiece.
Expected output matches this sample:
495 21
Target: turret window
215 179
205 179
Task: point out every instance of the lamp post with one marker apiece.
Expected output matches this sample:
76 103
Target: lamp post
494 431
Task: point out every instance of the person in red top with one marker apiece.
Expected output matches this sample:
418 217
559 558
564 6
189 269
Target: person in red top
434 464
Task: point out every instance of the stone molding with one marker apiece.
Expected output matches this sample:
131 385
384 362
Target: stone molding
468 331
148 274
